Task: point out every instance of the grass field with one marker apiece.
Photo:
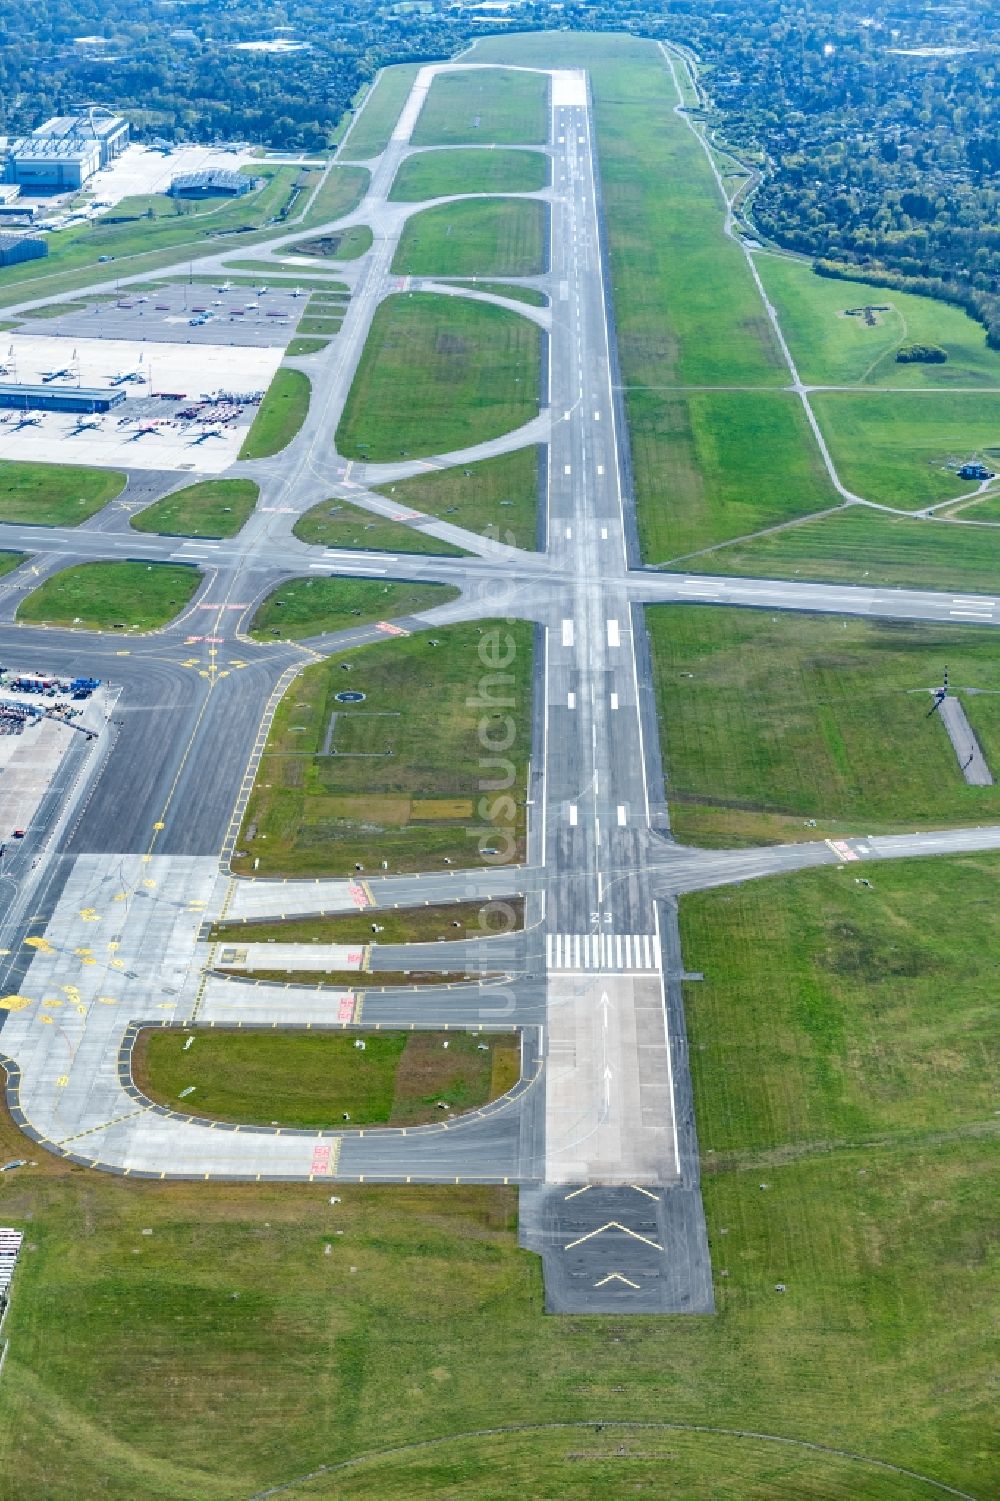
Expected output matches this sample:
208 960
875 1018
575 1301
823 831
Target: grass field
403 775
987 509
495 108
10 560
336 523
438 1334
211 508
279 416
54 494
57 309
316 606
306 346
894 448
475 236
495 497
860 546
479 377
768 721
312 1079
370 132
439 174
847 1041
340 193
111 596
339 245
320 278
325 327
831 349
516 293
720 464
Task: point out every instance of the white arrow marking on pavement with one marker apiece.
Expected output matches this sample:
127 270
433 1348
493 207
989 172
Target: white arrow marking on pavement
617 1277
613 1225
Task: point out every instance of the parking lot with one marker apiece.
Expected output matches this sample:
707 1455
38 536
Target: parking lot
186 313
36 730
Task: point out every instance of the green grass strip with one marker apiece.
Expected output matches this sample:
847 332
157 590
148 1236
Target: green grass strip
280 415
488 237
55 494
111 596
438 374
211 508
336 523
439 174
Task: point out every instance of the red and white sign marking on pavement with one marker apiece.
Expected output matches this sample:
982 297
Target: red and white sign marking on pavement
345 1011
389 629
408 516
360 895
842 850
322 1152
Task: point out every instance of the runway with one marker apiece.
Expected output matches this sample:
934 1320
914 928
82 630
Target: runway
600 1130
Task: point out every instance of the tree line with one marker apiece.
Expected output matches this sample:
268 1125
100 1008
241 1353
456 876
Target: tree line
874 124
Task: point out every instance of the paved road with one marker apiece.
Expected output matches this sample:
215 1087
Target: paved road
122 870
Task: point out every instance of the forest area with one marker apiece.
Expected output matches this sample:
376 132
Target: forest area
873 129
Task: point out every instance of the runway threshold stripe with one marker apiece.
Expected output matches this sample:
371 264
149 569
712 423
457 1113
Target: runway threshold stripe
619 953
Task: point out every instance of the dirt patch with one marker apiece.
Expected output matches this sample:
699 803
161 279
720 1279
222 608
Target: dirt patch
323 247
442 808
457 1071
